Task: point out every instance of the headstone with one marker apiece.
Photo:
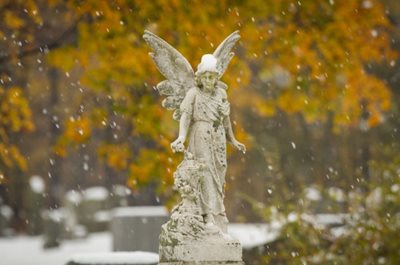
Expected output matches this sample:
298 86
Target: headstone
119 196
115 258
93 209
53 227
72 202
137 228
6 215
35 204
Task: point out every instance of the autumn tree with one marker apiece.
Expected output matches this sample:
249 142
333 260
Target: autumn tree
301 81
302 59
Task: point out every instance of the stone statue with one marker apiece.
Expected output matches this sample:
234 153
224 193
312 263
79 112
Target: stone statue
197 230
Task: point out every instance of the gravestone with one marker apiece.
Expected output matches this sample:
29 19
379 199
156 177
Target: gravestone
137 228
6 214
72 202
115 258
119 196
35 204
53 227
94 209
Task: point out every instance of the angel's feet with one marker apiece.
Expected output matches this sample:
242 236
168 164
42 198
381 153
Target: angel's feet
209 220
210 225
226 236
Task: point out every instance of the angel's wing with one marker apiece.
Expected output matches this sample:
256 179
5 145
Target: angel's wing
175 67
223 52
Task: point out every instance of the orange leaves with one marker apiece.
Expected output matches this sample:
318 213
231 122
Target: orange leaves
13 21
15 114
265 108
367 95
291 102
63 58
15 117
78 130
325 49
152 166
11 157
300 57
117 156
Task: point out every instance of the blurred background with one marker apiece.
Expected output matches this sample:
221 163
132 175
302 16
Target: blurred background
314 89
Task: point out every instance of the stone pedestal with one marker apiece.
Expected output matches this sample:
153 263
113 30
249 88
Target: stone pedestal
187 238
216 250
202 262
202 251
114 258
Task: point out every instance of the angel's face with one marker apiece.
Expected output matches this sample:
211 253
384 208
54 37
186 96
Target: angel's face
208 80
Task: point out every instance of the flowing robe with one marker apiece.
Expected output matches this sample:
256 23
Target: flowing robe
207 142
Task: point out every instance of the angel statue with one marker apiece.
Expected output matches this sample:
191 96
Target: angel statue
202 109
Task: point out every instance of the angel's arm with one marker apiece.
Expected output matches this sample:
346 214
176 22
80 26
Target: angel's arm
186 110
228 129
231 137
227 120
184 123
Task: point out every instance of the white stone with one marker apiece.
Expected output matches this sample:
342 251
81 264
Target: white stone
202 251
197 230
114 258
203 263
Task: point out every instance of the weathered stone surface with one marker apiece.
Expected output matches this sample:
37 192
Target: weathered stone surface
203 251
196 231
203 263
114 258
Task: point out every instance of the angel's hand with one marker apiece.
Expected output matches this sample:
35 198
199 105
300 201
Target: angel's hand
177 145
238 145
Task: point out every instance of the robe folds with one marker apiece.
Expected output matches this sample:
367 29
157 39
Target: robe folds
207 143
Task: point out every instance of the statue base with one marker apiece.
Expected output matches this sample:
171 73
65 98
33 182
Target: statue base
186 239
218 252
203 263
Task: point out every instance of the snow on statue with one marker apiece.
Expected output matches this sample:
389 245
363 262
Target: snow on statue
197 230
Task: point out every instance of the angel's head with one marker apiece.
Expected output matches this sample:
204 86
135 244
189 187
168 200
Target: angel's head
207 73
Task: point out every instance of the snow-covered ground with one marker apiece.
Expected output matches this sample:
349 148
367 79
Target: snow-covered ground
24 250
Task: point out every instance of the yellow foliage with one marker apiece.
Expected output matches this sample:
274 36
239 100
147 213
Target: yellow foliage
63 58
78 130
12 20
116 156
265 108
14 110
291 101
152 165
15 117
300 57
60 150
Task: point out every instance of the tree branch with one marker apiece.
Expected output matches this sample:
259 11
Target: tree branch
49 46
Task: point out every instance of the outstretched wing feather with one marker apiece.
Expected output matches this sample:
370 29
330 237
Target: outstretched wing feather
177 114
172 102
166 88
223 52
169 61
175 67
